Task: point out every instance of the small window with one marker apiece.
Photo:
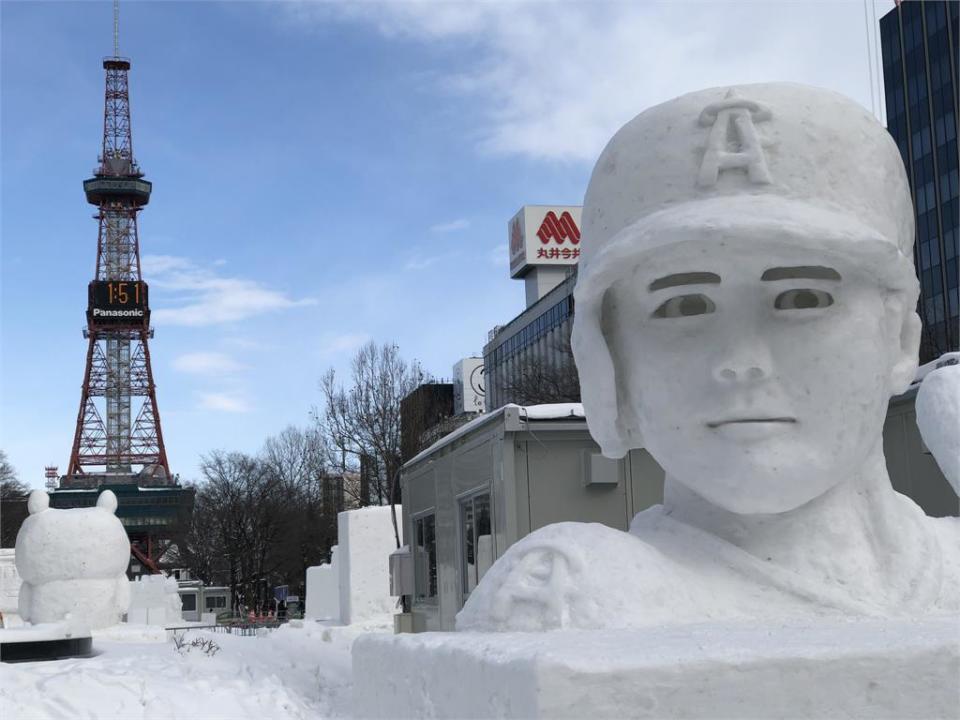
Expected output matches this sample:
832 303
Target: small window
188 602
425 557
476 540
214 602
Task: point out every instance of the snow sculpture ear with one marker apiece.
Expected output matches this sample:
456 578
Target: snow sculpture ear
598 381
904 332
107 501
38 502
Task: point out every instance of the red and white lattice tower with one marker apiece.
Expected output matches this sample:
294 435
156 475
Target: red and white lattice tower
118 437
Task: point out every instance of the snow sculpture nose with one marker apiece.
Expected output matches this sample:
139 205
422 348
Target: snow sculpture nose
743 364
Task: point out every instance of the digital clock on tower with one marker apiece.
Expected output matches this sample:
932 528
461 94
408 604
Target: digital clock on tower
118 302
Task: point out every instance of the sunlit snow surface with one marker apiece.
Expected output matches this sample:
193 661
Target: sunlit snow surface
293 672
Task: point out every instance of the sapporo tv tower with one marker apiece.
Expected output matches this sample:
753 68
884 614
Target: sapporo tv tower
118 441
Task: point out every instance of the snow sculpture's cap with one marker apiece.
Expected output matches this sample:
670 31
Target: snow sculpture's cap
779 158
777 163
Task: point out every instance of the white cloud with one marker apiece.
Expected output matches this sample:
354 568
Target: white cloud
556 79
207 298
206 363
498 256
223 402
421 262
346 343
452 226
242 343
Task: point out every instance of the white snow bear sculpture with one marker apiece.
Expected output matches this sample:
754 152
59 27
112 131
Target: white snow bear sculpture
745 309
73 562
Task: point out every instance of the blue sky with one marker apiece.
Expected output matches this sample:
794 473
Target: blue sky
325 173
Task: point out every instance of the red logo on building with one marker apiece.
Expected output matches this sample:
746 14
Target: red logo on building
516 238
560 229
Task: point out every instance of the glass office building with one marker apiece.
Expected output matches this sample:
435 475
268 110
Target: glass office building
920 48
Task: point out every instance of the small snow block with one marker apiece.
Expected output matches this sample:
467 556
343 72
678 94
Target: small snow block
868 668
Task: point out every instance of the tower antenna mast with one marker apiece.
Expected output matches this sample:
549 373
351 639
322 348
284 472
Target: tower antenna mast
116 28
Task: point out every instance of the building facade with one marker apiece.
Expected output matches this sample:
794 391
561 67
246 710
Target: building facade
528 361
920 51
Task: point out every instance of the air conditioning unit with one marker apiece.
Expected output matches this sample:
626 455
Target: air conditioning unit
599 470
401 572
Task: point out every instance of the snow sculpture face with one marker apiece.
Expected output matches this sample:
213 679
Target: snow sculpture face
756 384
746 292
73 562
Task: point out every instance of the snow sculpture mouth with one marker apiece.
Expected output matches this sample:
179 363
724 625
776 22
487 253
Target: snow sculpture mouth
721 423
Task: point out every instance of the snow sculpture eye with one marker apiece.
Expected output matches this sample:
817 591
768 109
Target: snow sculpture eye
803 299
685 306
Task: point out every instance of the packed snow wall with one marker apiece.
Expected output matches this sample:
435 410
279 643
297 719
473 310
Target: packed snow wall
355 586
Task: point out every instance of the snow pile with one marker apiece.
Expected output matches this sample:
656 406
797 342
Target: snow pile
73 562
292 673
9 582
154 601
354 588
366 540
850 669
938 417
323 589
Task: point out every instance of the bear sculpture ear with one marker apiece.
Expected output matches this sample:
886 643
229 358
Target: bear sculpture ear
38 502
107 501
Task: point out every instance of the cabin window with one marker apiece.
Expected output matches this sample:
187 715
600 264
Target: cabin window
425 557
476 540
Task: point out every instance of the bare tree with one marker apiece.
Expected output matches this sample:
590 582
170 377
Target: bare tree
262 520
299 457
250 509
539 381
10 485
363 420
13 502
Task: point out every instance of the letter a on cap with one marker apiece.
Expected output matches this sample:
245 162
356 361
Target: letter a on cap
731 124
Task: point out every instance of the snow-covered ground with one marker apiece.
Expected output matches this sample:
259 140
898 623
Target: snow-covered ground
301 670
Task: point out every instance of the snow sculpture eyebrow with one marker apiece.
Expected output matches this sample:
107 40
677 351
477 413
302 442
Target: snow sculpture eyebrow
807 272
690 278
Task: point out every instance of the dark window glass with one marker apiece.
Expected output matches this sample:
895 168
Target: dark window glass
476 546
425 557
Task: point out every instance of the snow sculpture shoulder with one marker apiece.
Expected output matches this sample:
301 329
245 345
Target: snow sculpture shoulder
73 562
745 309
938 417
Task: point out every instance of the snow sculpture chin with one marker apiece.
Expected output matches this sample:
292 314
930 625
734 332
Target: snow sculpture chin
745 310
73 563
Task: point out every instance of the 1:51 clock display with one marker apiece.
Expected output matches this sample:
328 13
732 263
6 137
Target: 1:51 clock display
118 302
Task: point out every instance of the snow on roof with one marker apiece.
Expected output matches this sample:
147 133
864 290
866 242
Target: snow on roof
950 358
554 411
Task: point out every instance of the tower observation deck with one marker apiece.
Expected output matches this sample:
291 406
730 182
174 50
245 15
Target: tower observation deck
118 441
